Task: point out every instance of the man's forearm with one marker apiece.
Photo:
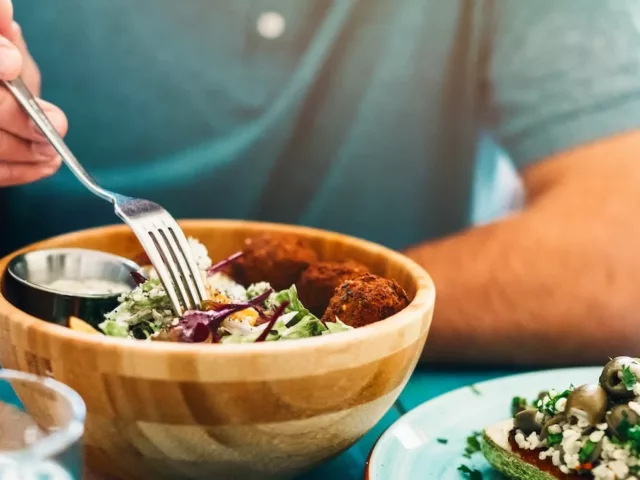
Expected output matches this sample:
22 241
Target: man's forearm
505 296
558 283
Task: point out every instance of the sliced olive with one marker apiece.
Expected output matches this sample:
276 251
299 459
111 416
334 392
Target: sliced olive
588 402
611 377
619 416
553 421
526 421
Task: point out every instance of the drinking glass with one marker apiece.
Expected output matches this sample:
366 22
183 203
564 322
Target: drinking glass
41 428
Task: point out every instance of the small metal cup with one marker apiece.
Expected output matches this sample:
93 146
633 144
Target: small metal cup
25 283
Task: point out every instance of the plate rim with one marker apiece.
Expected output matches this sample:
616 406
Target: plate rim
444 396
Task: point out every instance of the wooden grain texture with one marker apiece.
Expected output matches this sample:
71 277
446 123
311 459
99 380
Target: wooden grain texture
268 410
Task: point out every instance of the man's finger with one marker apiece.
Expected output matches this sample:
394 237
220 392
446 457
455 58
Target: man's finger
21 173
30 73
10 59
13 118
17 150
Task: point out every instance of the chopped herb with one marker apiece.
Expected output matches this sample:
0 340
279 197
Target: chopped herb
586 451
549 407
475 389
443 441
473 444
518 404
633 435
628 377
554 439
472 472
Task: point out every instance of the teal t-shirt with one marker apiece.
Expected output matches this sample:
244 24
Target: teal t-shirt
362 116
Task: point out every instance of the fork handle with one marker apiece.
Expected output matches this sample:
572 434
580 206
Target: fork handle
26 99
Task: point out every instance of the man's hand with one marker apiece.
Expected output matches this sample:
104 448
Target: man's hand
25 154
556 284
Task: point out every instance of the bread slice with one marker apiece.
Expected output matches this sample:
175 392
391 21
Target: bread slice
500 455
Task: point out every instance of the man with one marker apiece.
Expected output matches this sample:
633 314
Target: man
360 116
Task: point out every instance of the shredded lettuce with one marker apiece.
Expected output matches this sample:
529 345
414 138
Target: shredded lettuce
114 328
297 322
336 327
146 308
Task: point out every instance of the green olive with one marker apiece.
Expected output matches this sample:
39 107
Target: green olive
616 418
611 380
526 421
588 402
553 421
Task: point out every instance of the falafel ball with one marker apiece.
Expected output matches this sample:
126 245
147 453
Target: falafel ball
318 283
275 258
364 300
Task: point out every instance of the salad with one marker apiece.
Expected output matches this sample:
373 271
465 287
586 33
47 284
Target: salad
257 310
589 431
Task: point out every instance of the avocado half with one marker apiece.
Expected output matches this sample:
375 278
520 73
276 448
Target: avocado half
500 455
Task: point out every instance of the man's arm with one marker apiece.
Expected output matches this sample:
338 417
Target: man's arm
557 283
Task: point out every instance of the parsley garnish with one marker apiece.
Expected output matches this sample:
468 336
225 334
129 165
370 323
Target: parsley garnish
554 439
473 444
475 390
549 407
586 451
443 441
628 377
472 472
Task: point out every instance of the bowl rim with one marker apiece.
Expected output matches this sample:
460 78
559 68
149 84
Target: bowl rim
59 293
423 300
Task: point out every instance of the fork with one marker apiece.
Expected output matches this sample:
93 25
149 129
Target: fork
158 232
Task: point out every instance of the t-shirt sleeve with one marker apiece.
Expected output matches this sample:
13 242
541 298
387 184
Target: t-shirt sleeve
562 73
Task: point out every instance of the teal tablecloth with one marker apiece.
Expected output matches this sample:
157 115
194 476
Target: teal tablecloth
424 385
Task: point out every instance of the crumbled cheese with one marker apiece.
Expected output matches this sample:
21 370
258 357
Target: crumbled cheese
635 406
572 460
539 417
555 458
533 440
200 254
619 468
555 429
602 426
582 423
602 472
561 404
596 436
564 469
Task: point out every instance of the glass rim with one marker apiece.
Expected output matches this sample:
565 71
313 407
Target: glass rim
55 442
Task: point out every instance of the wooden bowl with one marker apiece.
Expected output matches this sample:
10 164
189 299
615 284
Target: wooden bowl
268 410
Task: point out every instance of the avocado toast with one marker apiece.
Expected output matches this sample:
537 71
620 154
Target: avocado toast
589 431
